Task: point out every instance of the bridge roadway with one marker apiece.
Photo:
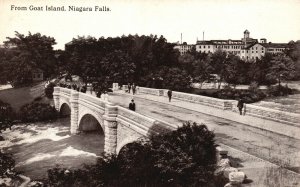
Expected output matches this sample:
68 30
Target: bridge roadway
275 148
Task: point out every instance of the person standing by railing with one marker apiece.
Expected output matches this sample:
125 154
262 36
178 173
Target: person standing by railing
240 105
170 95
129 87
133 88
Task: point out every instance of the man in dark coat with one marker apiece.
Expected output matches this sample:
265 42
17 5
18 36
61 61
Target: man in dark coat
133 88
132 105
129 87
170 95
240 105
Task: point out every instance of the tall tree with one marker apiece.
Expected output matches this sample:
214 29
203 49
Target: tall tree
282 68
219 63
30 52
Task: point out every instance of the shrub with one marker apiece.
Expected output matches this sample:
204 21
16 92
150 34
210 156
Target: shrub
49 90
37 112
185 157
249 96
279 90
7 163
7 116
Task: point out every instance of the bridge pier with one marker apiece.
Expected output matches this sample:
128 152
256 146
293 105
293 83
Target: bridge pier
120 125
56 98
110 131
74 111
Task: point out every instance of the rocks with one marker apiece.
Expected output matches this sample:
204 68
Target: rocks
235 176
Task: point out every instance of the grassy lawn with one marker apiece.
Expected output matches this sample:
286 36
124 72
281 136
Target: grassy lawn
17 97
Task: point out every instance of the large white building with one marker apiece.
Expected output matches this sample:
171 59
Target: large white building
246 48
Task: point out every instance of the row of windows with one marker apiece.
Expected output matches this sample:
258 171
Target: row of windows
252 51
221 46
229 42
256 48
276 49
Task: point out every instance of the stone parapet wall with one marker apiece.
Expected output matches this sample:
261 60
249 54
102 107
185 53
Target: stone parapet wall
230 105
151 91
209 101
213 102
269 114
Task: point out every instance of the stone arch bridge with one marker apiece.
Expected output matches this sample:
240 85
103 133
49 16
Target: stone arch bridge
120 126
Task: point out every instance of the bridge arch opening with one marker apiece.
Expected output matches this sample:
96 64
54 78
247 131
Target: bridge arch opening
89 123
65 110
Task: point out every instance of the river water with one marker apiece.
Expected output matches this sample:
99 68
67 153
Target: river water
41 146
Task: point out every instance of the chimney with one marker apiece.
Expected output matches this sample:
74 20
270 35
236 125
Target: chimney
181 39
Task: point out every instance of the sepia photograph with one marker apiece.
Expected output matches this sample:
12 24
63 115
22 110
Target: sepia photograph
149 93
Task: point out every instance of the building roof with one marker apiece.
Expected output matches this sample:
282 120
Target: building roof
246 32
220 42
205 42
275 45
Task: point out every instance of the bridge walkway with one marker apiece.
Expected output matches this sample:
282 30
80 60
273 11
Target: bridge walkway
276 127
241 138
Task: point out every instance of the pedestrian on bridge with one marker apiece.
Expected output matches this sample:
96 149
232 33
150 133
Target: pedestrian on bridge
132 105
240 105
133 88
129 87
170 95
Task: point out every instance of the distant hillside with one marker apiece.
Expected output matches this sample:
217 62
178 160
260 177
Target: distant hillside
17 97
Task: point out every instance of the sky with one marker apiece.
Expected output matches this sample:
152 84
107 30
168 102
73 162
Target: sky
276 20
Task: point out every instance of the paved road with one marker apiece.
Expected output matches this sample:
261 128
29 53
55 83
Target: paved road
278 149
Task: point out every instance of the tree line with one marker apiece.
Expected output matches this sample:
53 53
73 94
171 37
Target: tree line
145 60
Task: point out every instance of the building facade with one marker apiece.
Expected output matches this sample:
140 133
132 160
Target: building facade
246 48
184 47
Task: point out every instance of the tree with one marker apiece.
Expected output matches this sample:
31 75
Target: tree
173 78
282 68
7 116
294 53
202 70
184 157
219 63
30 52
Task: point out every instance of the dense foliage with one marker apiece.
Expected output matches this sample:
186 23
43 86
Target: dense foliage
7 163
146 60
34 111
49 90
7 116
279 90
185 157
24 55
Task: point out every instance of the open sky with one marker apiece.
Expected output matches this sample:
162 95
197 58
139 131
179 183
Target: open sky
276 20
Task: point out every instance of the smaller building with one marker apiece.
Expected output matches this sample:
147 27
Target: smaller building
275 48
184 47
37 75
252 52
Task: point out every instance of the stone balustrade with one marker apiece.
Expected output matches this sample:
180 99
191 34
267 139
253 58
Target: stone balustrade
151 91
229 105
269 114
209 101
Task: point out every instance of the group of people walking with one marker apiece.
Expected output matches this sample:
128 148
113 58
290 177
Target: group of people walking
131 87
74 87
